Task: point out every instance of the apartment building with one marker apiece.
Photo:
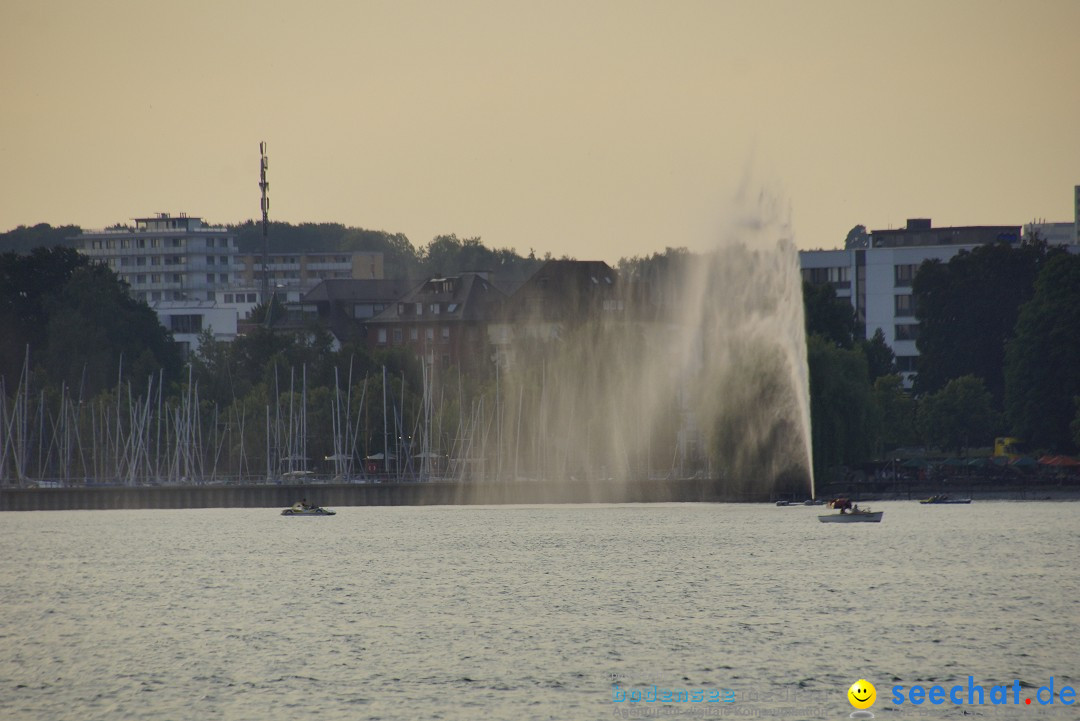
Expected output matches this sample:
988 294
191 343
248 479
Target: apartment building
877 280
166 258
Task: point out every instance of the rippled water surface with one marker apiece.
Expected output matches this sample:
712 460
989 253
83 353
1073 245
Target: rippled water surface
530 612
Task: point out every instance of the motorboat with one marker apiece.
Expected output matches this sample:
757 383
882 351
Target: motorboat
299 509
859 516
938 500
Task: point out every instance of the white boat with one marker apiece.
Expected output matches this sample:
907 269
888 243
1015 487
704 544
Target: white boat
301 510
853 517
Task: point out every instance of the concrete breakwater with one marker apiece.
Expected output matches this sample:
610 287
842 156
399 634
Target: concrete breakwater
361 494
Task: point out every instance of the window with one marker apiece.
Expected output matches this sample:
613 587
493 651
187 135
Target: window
155 260
155 277
397 336
401 309
839 276
140 260
429 334
251 298
414 334
905 274
185 323
907 331
140 279
209 260
434 308
446 334
228 297
904 306
382 336
209 277
419 308
223 278
907 363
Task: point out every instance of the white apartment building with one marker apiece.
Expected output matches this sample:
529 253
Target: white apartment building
294 274
167 258
186 271
877 280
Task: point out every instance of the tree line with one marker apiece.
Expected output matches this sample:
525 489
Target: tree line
999 354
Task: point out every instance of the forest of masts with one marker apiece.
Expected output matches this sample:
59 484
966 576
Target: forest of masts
374 428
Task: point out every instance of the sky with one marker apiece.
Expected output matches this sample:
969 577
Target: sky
597 129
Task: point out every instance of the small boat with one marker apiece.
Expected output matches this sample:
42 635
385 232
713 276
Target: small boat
302 510
853 517
937 500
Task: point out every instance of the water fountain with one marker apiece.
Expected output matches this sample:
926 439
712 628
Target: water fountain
696 369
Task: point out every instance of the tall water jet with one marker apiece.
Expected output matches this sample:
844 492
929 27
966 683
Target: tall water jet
691 366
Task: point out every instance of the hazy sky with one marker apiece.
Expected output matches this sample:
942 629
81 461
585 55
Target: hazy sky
593 128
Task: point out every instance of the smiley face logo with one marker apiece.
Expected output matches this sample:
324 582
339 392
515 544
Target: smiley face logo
862 694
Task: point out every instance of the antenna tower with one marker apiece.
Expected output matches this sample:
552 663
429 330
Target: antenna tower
264 165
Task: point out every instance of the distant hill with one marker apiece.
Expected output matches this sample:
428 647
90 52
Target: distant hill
444 255
24 239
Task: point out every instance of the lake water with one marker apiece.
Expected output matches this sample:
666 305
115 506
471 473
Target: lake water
538 612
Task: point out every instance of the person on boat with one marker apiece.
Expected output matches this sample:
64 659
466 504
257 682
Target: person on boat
855 508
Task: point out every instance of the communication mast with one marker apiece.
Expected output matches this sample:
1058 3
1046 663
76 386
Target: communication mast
264 165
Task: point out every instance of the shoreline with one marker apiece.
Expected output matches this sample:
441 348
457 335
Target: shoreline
267 495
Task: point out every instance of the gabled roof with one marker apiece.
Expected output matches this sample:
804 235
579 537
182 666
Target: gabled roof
356 290
563 289
463 297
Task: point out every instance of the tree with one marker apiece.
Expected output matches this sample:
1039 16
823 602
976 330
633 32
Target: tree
78 321
1043 360
959 415
896 408
1075 425
842 415
967 311
857 237
827 316
96 330
25 239
880 359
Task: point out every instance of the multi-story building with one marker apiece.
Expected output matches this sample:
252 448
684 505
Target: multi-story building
294 274
342 306
877 280
442 319
168 259
185 270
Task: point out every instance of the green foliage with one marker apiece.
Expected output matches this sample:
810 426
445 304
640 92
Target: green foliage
1075 425
880 359
967 311
24 239
844 419
958 416
449 255
79 322
1043 360
897 409
857 237
829 317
